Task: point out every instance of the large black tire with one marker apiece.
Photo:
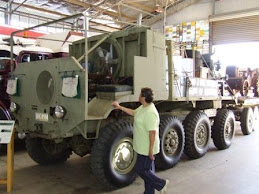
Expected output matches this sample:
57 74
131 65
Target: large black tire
171 134
197 134
46 152
247 121
107 158
223 129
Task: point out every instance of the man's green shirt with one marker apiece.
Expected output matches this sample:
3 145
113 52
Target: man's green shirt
145 119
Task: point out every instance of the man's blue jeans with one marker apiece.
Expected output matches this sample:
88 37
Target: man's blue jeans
145 168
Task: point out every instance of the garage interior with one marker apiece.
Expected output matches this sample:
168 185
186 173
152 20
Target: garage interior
231 171
226 32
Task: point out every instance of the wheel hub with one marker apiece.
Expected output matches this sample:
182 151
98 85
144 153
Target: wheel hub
171 142
250 122
201 135
228 130
124 156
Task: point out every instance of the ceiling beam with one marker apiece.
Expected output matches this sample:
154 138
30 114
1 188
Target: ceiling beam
87 5
139 6
106 28
136 9
18 6
41 9
178 6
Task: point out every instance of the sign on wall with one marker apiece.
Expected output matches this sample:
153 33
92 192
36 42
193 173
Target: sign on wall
190 33
6 130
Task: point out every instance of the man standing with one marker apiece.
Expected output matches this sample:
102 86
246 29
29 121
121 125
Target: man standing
146 140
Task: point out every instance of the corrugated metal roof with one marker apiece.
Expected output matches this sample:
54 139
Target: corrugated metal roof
111 9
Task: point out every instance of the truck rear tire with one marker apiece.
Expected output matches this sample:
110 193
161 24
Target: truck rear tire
112 157
171 134
46 152
247 121
197 134
223 129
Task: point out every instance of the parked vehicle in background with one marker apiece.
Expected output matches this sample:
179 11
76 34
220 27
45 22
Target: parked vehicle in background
243 80
25 52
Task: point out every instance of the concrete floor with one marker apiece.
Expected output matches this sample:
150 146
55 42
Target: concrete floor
231 171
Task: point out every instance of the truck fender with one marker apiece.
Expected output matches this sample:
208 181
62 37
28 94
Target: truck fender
101 108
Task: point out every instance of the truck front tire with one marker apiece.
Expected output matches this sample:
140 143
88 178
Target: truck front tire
112 157
46 152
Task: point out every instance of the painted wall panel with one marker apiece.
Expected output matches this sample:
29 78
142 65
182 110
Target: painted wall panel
203 9
226 6
195 12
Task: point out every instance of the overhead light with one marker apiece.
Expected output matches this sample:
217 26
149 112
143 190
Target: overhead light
158 9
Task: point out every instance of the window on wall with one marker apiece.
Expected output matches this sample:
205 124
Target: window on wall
43 28
33 22
59 28
51 29
2 20
25 21
15 20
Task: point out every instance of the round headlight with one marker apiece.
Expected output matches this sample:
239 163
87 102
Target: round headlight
59 112
13 107
1 78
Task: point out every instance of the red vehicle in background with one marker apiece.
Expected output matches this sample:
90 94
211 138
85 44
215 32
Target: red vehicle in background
5 70
5 64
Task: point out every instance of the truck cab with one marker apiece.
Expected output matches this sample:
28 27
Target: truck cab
21 55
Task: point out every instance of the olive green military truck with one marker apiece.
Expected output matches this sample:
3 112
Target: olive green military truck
64 105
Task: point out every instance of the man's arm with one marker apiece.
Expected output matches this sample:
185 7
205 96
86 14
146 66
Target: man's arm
124 109
152 135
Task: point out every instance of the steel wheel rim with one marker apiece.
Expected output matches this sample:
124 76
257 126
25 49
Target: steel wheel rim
229 130
201 138
171 142
250 122
124 157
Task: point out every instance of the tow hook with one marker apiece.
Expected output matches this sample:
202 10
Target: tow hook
38 127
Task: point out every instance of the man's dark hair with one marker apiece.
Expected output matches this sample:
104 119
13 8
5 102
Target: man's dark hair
148 94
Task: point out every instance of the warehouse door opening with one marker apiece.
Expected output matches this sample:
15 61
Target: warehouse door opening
240 61
243 55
